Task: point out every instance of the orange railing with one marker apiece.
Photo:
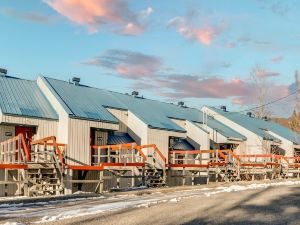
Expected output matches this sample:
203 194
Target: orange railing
154 155
127 153
14 150
196 158
260 160
51 141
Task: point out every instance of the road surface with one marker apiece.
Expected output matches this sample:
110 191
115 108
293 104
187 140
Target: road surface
259 203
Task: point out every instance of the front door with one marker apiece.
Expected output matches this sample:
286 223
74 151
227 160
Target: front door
28 133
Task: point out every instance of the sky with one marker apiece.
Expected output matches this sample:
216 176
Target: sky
216 52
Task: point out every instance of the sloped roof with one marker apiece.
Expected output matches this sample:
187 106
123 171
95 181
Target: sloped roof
24 98
260 126
182 144
224 130
119 138
91 103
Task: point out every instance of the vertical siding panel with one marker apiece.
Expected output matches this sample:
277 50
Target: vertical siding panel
4 129
79 139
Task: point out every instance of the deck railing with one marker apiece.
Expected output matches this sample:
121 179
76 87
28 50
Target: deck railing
14 151
123 153
153 155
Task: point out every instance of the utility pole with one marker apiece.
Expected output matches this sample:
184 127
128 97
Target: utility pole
295 118
297 84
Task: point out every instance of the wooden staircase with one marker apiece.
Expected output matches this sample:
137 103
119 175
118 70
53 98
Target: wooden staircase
43 179
45 170
154 177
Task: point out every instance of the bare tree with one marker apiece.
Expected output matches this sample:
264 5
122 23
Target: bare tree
294 121
260 79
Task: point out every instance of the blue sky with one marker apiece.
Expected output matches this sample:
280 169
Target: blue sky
201 52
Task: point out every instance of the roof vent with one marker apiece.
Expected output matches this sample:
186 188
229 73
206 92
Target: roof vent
76 80
135 93
3 72
223 107
181 104
249 114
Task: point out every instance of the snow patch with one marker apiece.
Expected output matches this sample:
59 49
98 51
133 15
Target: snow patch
236 188
13 223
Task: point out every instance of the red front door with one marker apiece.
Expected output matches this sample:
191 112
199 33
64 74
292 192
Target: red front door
28 133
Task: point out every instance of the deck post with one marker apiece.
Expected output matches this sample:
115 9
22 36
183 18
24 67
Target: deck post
68 178
101 182
132 178
183 177
25 187
6 180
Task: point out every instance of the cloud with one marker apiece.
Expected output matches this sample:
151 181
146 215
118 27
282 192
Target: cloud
147 12
34 17
277 59
127 64
203 34
261 72
148 73
274 92
191 86
242 41
277 7
94 14
132 29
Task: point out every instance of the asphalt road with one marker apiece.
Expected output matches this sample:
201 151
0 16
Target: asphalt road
273 204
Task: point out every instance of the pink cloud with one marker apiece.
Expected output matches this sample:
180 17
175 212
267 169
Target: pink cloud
277 59
148 72
274 92
127 64
263 73
132 29
190 86
205 34
34 17
96 13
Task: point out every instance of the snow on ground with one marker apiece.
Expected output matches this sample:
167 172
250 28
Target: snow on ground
64 209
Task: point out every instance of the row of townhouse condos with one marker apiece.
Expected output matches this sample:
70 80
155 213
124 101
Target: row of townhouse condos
85 119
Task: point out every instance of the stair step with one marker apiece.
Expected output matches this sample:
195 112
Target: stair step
47 184
43 191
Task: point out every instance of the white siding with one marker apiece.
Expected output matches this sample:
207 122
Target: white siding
287 145
161 139
197 136
4 129
137 129
45 127
122 116
62 127
78 145
254 143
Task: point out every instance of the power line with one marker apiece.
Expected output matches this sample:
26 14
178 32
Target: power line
271 102
266 104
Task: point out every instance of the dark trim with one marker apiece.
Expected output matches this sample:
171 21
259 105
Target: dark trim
29 117
93 120
111 107
159 128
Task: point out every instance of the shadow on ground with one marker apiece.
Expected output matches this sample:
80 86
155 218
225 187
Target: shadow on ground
268 206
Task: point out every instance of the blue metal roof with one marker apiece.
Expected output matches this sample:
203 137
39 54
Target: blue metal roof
83 102
119 138
24 98
260 126
224 130
182 144
91 103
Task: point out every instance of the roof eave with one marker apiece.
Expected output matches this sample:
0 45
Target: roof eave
166 129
